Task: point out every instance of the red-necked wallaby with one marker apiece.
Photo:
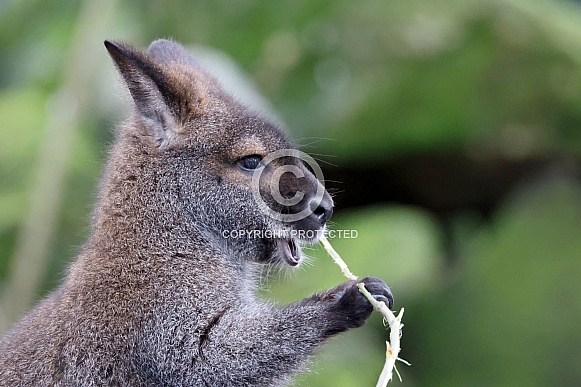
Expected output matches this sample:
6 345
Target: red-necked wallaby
159 295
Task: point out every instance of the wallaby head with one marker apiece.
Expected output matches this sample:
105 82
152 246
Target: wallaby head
228 170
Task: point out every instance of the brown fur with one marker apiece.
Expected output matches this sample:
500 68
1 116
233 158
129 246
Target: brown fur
158 296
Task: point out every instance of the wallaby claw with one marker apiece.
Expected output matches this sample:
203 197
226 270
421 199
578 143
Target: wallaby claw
380 298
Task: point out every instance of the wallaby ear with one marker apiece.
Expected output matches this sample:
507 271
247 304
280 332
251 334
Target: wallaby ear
167 51
158 95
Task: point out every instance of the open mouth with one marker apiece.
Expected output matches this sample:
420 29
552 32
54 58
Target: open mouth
291 252
289 247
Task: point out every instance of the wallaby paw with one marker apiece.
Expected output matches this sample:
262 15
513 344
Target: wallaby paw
379 290
351 309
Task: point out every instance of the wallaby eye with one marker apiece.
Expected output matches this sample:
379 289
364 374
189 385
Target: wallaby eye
249 163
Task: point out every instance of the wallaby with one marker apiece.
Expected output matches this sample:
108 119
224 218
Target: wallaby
159 295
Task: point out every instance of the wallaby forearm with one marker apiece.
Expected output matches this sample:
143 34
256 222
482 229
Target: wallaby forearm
260 349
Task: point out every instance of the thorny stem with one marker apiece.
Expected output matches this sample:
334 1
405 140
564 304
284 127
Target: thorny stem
395 325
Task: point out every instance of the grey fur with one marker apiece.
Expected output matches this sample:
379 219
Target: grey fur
158 296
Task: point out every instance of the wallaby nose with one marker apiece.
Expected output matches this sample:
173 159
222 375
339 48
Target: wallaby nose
322 210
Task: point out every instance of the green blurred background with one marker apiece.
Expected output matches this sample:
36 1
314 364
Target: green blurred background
449 132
